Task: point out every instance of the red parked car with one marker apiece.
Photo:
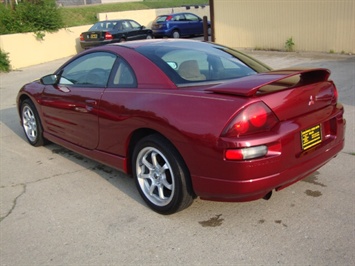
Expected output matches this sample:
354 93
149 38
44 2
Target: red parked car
188 119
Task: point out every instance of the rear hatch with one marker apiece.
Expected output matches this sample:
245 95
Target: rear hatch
157 23
288 92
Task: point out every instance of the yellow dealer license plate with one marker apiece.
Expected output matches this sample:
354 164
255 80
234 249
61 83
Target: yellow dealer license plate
311 137
93 36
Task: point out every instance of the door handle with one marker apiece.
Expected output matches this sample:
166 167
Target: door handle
90 104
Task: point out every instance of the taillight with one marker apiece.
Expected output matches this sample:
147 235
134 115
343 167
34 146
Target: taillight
81 37
108 36
254 118
335 95
248 153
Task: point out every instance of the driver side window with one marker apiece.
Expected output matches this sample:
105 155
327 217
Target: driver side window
92 70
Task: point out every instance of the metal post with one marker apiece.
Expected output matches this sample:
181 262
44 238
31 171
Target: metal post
212 20
205 29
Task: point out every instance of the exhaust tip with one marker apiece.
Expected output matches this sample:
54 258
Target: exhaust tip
267 196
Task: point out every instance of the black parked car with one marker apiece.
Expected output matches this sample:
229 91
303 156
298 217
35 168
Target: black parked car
111 31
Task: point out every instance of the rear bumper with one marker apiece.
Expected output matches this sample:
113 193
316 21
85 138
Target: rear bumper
251 180
161 33
91 44
253 189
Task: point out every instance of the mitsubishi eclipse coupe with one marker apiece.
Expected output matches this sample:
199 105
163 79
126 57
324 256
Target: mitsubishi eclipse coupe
188 119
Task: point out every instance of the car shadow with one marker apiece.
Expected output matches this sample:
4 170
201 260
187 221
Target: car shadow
10 119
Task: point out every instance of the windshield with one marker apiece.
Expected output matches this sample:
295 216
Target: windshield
191 62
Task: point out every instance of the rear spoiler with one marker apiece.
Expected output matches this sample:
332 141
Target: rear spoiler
271 81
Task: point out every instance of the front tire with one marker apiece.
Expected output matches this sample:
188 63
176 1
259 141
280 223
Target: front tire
31 124
161 176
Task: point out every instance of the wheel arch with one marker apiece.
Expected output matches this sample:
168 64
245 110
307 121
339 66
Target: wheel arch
33 105
20 100
137 135
173 30
122 38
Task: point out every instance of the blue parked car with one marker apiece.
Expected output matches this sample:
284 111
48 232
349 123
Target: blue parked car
178 25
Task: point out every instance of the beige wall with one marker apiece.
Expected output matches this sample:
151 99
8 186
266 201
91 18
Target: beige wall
25 50
314 25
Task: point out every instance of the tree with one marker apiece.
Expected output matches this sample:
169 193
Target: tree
29 16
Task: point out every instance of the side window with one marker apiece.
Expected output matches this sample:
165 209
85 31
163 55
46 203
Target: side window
191 17
179 18
88 70
123 76
126 25
135 25
119 25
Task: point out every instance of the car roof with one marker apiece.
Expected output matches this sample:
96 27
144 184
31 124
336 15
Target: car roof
157 42
174 14
112 20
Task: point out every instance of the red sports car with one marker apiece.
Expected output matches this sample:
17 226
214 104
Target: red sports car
188 119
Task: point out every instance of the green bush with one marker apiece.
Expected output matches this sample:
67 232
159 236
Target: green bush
30 16
289 45
4 62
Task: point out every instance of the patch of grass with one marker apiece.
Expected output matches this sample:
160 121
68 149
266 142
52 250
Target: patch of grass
85 15
267 49
4 62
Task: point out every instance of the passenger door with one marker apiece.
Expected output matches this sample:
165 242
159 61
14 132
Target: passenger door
195 24
179 21
115 107
71 107
139 30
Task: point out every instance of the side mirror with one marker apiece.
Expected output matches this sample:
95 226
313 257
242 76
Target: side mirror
49 80
142 27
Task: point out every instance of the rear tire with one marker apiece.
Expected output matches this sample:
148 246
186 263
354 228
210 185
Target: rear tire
32 124
161 176
176 34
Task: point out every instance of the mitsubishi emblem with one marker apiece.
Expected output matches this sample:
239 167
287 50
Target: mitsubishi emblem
311 101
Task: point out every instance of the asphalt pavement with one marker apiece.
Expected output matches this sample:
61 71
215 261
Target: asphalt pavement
59 208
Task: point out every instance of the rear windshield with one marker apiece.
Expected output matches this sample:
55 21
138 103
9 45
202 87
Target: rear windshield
161 19
103 25
191 62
